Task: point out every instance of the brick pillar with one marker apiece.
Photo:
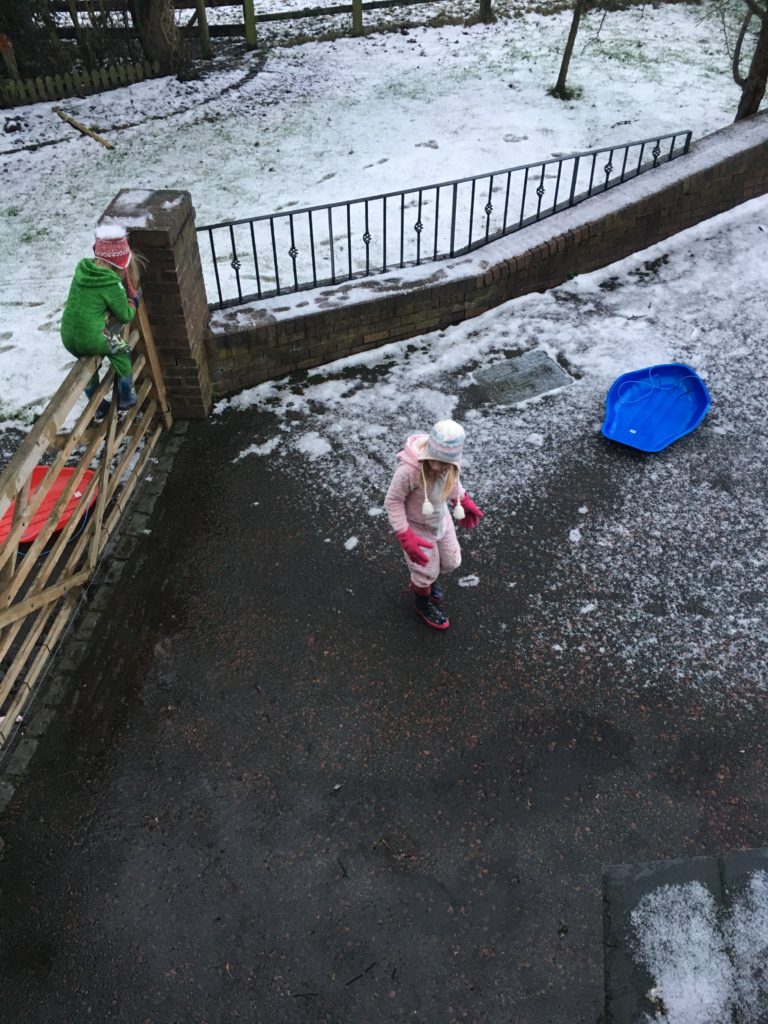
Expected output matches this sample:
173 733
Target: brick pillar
161 228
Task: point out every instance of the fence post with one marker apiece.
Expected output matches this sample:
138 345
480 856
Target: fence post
161 228
250 24
357 17
205 36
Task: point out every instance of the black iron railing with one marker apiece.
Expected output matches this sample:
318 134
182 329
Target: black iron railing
277 253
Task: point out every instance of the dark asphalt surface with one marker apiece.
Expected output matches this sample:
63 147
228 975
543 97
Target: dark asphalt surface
279 798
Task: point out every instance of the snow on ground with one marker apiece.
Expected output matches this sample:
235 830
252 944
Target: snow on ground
331 121
705 970
651 579
684 951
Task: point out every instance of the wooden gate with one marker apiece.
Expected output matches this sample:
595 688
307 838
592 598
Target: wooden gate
47 560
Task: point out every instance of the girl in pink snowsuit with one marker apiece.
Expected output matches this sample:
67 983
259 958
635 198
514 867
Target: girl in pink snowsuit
425 484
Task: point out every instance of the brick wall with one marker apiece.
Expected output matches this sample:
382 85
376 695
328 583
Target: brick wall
251 344
162 228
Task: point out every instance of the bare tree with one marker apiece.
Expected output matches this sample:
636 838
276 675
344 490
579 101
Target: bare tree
754 84
160 36
560 89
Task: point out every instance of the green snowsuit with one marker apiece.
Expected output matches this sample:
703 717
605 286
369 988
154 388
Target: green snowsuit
95 293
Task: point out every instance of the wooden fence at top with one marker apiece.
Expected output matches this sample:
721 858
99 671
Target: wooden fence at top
42 577
14 92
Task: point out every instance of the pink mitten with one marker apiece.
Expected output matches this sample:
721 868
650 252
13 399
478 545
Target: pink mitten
412 545
472 514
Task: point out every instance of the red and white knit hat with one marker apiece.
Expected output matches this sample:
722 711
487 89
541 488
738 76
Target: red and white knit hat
111 245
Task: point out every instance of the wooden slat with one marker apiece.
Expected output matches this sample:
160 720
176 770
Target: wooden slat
154 364
36 628
103 474
65 612
38 545
30 604
7 570
72 564
114 517
46 571
127 455
32 449
37 440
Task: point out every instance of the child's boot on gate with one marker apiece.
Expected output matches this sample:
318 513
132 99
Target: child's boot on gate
126 396
103 406
429 611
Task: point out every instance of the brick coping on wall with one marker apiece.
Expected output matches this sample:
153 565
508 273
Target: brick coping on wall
251 343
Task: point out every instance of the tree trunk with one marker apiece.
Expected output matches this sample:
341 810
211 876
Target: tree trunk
82 38
753 89
486 12
559 90
58 54
160 37
205 35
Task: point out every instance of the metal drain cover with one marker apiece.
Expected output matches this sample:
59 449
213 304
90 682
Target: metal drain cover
526 376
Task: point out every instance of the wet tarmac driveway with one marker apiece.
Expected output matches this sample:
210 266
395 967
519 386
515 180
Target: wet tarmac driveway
280 799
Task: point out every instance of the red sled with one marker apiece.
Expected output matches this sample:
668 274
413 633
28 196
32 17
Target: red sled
40 517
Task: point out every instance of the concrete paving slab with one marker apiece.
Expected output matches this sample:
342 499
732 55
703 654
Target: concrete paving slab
739 867
626 982
520 378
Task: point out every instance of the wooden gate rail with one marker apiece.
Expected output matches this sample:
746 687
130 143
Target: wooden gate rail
40 586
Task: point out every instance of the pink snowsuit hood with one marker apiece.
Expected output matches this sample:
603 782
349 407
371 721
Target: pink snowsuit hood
414 447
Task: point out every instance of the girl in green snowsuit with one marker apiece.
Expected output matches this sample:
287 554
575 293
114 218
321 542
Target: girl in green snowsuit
101 299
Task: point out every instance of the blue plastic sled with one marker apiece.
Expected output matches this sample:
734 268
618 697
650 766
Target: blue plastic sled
649 409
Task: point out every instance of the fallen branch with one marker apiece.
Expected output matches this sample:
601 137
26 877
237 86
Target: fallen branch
81 127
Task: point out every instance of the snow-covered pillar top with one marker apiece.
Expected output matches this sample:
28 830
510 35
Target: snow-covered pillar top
161 228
